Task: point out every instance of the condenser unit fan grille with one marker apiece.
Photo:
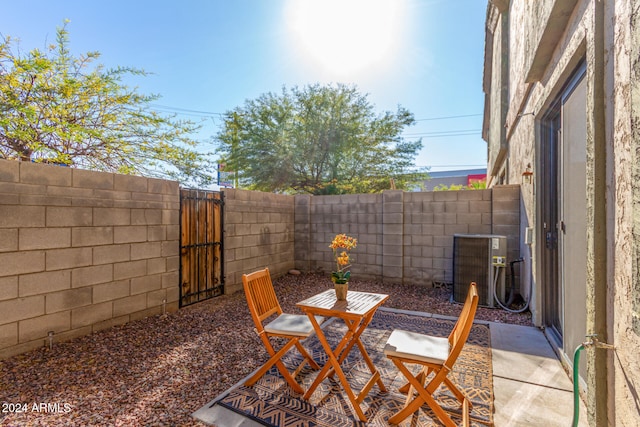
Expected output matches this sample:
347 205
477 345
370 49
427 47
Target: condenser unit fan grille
470 265
475 257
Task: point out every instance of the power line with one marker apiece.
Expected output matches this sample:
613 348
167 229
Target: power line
448 117
435 134
456 132
454 166
186 110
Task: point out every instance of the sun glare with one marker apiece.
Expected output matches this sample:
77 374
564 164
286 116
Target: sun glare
346 36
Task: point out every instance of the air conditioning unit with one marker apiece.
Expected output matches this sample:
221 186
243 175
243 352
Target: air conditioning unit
479 258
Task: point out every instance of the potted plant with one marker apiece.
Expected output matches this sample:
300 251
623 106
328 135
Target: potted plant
341 245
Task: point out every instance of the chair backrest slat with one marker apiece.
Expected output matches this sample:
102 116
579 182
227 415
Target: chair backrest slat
261 297
462 328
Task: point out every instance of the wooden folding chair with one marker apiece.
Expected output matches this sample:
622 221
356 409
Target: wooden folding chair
263 304
437 355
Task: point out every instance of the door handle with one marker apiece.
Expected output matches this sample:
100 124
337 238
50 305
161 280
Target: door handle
551 239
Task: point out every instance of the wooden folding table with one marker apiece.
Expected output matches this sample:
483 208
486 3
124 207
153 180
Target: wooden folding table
357 312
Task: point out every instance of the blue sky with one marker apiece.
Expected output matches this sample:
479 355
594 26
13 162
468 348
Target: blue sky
209 56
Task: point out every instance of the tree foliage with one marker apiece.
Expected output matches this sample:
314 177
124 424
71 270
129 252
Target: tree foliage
319 140
57 108
474 185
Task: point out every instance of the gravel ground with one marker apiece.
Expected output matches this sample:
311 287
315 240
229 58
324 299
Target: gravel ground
159 370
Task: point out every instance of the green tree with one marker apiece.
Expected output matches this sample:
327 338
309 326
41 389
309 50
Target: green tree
319 140
56 108
474 185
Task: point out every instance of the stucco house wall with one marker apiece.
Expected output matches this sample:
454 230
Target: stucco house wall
545 41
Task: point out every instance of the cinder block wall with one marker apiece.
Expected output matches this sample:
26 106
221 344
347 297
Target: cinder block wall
319 218
258 233
82 251
431 220
403 237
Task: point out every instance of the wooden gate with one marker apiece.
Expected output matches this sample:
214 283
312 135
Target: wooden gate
201 263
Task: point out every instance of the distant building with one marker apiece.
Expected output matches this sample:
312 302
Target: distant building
455 177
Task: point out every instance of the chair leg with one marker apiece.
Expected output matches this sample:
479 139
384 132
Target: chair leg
420 378
423 397
306 355
457 393
466 406
275 360
436 408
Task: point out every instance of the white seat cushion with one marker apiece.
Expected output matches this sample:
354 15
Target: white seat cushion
411 345
292 324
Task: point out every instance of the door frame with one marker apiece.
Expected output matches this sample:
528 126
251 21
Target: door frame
548 202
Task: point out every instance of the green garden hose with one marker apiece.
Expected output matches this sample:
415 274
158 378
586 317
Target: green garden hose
576 384
592 342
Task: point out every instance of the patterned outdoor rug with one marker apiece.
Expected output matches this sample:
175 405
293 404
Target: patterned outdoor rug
271 401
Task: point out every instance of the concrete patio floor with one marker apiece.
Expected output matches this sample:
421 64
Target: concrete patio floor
530 385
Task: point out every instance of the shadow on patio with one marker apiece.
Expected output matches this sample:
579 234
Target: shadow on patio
530 388
162 369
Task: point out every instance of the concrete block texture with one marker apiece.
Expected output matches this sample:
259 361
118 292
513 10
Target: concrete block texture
33 173
93 249
421 223
12 193
58 259
8 287
127 270
91 236
44 238
21 308
260 233
146 250
130 183
157 298
21 262
111 216
9 171
456 206
505 192
66 300
146 216
111 254
111 291
43 283
146 284
88 276
90 315
8 239
62 216
16 216
90 179
75 244
8 335
446 196
42 200
38 327
129 305
130 234
163 187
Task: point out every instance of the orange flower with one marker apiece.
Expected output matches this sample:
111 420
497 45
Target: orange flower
343 241
342 258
